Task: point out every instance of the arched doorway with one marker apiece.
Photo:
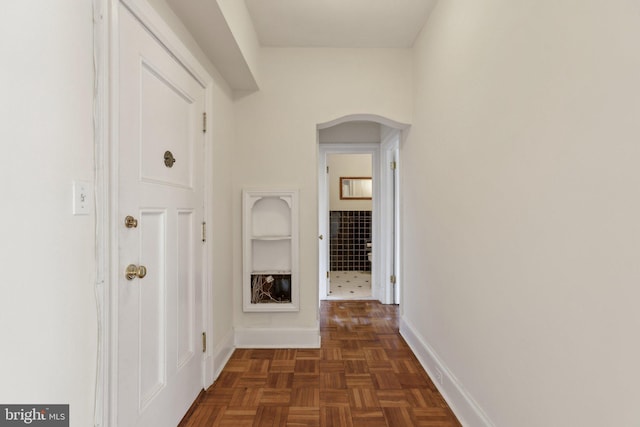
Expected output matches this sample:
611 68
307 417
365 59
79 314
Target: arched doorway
356 134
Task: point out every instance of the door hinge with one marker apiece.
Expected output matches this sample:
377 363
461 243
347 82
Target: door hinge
327 274
394 165
204 342
327 169
204 231
393 279
204 122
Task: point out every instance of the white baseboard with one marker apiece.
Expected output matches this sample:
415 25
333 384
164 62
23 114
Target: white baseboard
221 353
463 405
277 338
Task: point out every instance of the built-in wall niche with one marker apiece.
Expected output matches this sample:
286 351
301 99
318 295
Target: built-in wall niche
270 250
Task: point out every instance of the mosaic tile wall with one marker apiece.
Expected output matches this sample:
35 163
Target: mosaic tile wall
350 232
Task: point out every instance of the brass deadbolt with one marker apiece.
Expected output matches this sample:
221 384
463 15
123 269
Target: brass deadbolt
169 160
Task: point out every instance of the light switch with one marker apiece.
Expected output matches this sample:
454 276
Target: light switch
82 197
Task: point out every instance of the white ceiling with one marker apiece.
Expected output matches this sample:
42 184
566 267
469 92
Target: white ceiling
296 23
339 23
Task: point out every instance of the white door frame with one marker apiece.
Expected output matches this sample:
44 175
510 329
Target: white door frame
389 147
106 30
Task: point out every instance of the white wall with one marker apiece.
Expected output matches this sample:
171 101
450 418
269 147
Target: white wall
349 132
521 234
347 165
47 305
276 142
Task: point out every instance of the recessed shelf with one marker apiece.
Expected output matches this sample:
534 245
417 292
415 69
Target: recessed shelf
271 272
271 238
271 254
271 215
270 250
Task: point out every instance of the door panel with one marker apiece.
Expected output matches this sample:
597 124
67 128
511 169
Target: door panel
159 315
166 118
151 319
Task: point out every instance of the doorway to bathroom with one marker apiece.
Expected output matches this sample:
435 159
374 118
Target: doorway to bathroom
350 187
379 139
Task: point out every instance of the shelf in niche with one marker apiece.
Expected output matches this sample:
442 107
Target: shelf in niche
270 250
270 272
271 254
271 215
271 238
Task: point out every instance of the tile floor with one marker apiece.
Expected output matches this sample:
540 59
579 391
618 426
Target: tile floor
350 285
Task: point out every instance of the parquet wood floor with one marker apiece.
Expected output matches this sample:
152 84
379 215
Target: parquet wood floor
364 375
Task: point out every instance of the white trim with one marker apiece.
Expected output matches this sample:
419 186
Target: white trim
323 223
466 409
209 368
249 197
106 28
222 353
277 337
161 31
103 409
364 118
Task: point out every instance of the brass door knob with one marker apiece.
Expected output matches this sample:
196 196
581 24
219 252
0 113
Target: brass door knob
130 222
134 271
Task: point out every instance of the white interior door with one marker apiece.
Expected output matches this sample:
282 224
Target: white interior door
159 315
323 228
395 227
390 236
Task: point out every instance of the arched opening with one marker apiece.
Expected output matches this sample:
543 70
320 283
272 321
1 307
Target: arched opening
365 118
379 137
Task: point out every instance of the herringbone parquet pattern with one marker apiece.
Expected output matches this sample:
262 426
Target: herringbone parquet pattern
364 375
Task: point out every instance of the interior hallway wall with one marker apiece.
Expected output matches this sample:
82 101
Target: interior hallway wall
276 142
347 165
47 304
47 301
520 181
